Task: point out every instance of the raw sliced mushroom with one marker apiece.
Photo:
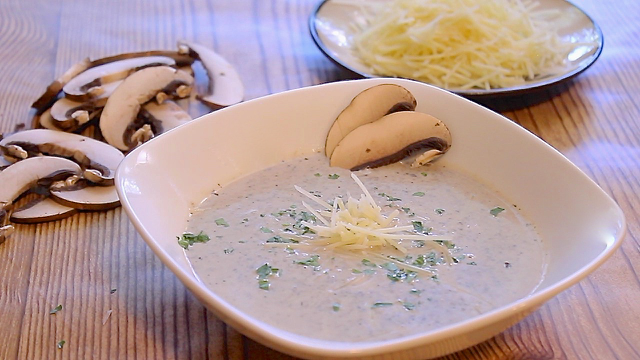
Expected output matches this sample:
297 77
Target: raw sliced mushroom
99 159
87 198
180 59
164 117
124 104
366 107
69 115
56 86
46 121
225 85
41 210
23 175
391 139
89 84
5 232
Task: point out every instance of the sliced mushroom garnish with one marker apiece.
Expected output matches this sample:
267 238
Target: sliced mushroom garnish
391 139
23 175
41 210
46 121
225 85
56 86
366 107
99 159
87 198
90 83
180 59
124 104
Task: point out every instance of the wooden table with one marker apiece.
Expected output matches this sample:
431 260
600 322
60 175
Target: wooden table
119 301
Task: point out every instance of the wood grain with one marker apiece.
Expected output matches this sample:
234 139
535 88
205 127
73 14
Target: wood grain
119 301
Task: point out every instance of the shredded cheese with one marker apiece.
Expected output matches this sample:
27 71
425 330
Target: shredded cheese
360 225
462 44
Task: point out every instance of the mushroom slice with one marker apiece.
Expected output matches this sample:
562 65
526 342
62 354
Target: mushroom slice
164 117
124 104
69 115
180 59
98 158
87 198
366 107
41 210
5 232
54 88
23 175
391 139
89 84
225 85
46 121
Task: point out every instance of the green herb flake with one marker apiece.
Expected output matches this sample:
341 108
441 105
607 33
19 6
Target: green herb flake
55 309
381 304
245 220
317 174
189 239
333 176
228 250
389 197
265 230
424 173
496 210
264 272
312 261
60 344
222 222
356 271
439 211
409 306
418 193
336 306
367 262
408 211
415 291
420 229
281 240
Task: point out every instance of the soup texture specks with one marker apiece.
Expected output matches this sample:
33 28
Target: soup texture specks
264 257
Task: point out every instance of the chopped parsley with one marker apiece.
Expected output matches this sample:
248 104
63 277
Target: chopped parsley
333 176
317 174
228 250
55 309
394 273
381 304
408 211
60 344
389 197
222 222
439 211
418 193
265 229
312 261
189 239
409 306
420 229
367 262
264 272
336 306
496 210
424 173
280 239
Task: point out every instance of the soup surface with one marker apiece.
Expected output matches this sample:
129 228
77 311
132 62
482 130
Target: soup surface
261 256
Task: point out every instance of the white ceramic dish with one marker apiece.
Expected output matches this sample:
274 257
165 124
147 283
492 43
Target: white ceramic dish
160 181
331 28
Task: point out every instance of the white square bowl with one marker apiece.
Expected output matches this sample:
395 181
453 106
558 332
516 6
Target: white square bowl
162 180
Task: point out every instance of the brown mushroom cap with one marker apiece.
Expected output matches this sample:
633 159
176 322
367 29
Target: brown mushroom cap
391 139
88 198
366 107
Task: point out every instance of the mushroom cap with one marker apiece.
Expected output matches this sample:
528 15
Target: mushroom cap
79 87
366 107
86 151
225 85
390 139
124 103
42 210
24 174
56 86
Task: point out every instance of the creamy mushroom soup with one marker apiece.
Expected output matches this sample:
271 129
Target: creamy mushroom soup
263 256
